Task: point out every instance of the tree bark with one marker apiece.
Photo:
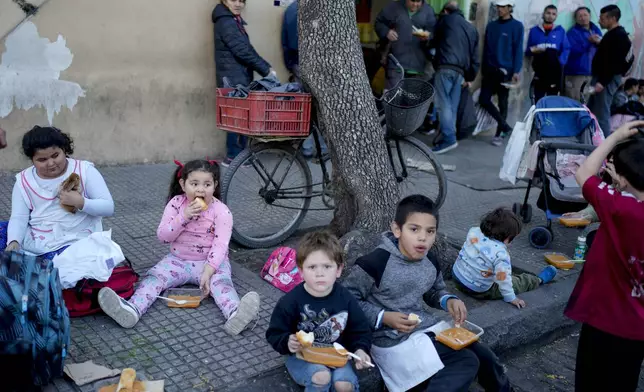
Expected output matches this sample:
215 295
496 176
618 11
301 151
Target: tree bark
333 68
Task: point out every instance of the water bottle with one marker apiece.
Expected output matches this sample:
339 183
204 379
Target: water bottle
580 249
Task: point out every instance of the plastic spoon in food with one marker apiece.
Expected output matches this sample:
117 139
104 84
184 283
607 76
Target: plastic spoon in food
176 301
343 351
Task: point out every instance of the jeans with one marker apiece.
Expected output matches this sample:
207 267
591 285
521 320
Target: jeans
599 103
448 85
235 143
491 85
308 146
607 362
302 372
461 367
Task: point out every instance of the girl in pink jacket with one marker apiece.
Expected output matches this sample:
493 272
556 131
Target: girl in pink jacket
198 228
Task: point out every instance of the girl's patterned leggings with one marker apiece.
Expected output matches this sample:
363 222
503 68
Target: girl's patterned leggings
173 271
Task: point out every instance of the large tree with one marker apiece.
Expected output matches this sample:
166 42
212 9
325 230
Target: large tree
332 66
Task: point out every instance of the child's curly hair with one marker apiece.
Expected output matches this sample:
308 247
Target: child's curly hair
501 225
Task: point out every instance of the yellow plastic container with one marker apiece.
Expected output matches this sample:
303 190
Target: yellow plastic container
559 261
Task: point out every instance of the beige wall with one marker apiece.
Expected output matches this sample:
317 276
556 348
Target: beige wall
147 69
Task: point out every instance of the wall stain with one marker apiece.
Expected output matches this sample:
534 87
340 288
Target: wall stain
26 7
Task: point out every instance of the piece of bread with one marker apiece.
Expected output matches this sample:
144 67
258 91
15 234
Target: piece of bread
72 183
421 33
413 317
305 339
126 383
202 203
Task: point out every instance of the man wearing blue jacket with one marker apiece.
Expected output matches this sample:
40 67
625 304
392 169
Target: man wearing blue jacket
502 63
583 37
549 48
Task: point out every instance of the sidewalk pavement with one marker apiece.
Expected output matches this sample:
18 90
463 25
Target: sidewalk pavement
188 347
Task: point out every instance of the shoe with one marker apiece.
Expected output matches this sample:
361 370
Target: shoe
547 274
121 311
246 312
444 147
497 141
226 162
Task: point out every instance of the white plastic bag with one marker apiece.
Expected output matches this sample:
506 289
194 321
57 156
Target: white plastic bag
92 257
516 146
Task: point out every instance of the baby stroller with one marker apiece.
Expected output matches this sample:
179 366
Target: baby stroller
561 138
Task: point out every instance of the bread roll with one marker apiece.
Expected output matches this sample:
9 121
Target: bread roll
126 383
413 317
305 339
202 203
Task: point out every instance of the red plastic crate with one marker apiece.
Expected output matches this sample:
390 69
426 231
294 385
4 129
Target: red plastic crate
264 113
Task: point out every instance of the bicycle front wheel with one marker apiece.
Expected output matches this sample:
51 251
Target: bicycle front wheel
417 170
268 190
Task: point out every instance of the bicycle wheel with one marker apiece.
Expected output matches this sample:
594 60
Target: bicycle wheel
421 172
268 190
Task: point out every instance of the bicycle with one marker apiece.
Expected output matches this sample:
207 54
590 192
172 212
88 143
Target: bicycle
284 182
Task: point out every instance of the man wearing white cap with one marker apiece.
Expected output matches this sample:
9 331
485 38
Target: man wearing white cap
502 63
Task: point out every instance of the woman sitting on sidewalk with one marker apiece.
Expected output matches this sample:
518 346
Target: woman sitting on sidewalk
41 222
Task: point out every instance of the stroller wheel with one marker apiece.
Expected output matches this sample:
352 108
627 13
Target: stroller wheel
523 210
540 237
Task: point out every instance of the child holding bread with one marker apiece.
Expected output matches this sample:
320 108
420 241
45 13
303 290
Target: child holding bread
307 321
198 228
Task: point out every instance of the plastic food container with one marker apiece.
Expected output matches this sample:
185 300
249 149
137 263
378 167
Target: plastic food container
574 222
193 296
559 261
457 338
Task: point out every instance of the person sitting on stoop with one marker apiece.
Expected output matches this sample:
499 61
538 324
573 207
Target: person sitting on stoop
390 284
483 269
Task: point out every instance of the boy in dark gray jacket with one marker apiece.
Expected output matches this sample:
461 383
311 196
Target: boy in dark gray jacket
390 284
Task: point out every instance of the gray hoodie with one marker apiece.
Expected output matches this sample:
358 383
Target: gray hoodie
385 280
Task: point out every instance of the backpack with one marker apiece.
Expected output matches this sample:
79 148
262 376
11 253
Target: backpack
34 323
82 300
281 270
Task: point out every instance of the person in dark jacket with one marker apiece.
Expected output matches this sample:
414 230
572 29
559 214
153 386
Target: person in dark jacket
235 59
583 38
549 48
502 63
456 63
396 23
290 40
613 60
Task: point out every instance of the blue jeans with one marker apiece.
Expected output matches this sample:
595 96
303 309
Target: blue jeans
301 372
235 143
448 84
308 146
599 103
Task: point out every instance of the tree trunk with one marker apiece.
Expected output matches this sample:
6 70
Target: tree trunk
333 68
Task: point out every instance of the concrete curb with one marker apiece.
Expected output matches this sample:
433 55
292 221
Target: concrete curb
505 328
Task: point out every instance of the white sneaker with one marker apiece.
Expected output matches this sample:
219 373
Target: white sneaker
247 311
121 311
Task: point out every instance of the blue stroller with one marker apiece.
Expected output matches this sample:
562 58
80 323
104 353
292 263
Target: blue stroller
563 129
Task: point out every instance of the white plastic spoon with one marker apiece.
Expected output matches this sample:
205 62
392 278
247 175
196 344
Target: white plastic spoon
343 351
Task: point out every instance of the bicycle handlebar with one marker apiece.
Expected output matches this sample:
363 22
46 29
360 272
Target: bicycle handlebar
395 60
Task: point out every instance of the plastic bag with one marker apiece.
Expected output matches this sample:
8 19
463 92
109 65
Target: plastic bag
92 257
516 147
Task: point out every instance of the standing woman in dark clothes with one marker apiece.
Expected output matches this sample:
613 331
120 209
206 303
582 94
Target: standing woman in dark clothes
235 59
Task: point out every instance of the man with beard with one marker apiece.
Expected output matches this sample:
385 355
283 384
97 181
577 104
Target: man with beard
549 48
612 61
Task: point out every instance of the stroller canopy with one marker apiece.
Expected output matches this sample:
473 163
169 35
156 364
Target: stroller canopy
562 123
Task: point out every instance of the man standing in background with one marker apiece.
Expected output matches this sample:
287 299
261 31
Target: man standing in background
502 63
613 60
583 37
407 25
290 40
549 49
456 63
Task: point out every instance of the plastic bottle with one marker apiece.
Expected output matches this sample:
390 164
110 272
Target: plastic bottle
580 249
